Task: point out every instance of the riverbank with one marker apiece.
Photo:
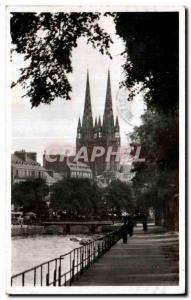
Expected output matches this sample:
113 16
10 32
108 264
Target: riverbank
23 230
19 230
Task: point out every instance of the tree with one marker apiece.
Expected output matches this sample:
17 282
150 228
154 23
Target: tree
119 197
159 138
30 195
156 181
46 40
152 65
152 56
151 39
77 197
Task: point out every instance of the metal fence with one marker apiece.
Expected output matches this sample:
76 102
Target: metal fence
65 269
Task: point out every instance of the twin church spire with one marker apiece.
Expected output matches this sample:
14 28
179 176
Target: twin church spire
87 121
107 129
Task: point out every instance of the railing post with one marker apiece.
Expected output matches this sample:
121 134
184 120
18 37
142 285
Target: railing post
82 262
23 279
41 280
72 277
47 279
34 276
59 275
99 254
55 273
88 258
60 271
94 254
65 279
77 275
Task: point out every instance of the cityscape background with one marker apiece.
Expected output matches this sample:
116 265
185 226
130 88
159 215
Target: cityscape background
55 124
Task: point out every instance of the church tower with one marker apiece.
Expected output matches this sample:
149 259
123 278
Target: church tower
108 119
111 132
106 134
85 132
87 121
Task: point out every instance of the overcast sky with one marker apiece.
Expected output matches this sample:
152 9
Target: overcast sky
55 125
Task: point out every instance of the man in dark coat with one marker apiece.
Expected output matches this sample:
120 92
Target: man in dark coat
144 222
130 225
124 231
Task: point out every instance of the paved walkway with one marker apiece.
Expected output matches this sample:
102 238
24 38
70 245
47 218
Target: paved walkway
149 258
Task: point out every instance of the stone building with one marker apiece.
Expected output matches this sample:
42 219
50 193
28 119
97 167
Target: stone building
24 166
104 134
66 167
78 170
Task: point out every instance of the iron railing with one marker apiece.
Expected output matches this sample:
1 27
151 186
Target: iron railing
65 269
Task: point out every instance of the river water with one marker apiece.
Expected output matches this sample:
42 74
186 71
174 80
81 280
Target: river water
28 252
34 250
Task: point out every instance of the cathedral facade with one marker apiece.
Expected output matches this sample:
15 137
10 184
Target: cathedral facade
101 138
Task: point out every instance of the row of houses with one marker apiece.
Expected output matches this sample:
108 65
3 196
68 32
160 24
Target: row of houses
24 166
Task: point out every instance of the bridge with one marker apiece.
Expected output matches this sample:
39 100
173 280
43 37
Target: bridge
84 226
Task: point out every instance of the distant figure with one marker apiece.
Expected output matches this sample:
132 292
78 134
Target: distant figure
144 222
130 225
124 231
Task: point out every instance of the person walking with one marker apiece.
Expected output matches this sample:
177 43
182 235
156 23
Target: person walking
124 232
130 225
144 222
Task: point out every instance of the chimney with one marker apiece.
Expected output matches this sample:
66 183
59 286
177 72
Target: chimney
31 155
21 154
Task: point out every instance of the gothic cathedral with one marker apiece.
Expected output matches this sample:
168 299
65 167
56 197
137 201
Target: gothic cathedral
102 135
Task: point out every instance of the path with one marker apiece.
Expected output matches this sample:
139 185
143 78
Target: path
149 258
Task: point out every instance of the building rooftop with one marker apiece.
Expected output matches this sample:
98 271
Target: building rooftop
79 166
15 160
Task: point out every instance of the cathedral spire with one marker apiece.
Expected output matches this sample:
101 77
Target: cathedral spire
117 122
79 124
108 119
99 128
87 121
99 122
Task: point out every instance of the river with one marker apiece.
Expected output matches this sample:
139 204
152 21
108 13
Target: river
28 252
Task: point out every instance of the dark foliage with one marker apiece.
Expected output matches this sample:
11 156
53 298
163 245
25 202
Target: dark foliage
119 197
46 40
30 195
156 182
152 43
76 197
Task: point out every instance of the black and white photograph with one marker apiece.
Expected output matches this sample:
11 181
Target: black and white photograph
95 179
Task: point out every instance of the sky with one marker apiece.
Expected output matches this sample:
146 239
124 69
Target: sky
54 125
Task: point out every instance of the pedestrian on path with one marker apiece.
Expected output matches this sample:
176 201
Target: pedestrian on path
130 225
124 232
144 222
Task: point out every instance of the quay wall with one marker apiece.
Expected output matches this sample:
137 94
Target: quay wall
26 230
18 230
